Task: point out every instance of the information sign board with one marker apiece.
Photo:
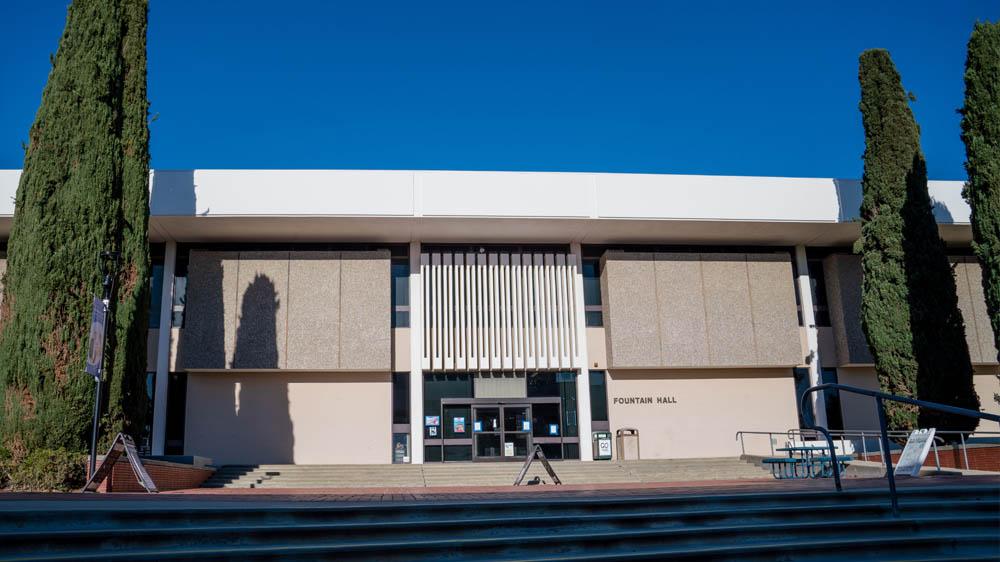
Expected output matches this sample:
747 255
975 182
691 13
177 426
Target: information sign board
915 452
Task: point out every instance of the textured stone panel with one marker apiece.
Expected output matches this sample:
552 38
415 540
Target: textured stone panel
727 309
775 320
843 288
977 319
209 333
261 326
365 309
968 308
314 310
500 385
681 308
628 288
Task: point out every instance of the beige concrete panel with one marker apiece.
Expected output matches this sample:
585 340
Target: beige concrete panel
152 344
843 287
400 350
987 385
628 290
262 321
209 334
858 411
775 319
314 310
597 351
289 417
365 317
681 309
977 315
727 309
827 347
711 406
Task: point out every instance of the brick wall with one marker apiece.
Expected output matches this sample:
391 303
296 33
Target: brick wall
166 476
980 457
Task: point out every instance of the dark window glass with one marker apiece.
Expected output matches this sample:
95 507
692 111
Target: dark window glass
542 416
444 385
552 451
834 417
176 407
598 397
400 293
432 453
817 283
562 385
458 452
456 421
592 292
155 296
145 441
571 450
801 384
401 398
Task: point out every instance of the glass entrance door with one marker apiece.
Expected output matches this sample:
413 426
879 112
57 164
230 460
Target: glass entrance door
501 431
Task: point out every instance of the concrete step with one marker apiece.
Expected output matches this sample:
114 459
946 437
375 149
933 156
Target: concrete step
934 523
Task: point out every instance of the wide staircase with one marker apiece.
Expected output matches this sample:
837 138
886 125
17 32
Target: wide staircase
939 522
480 474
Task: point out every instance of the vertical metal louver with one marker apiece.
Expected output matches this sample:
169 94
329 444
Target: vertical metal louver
499 311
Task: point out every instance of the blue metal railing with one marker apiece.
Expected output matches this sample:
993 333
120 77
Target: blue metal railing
880 398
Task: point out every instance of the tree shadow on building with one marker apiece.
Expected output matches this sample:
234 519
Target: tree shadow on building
262 409
944 371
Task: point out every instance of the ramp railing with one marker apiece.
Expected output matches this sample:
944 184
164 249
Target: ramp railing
880 399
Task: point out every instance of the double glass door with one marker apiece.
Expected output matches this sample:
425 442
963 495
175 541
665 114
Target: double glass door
501 431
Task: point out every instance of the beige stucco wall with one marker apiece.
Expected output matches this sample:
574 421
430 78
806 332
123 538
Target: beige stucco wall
859 411
596 348
711 406
289 417
317 311
400 349
682 310
987 386
843 282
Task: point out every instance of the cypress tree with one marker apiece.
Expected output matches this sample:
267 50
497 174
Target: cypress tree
79 194
909 305
981 134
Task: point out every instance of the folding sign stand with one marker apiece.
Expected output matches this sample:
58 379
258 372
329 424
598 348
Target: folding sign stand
122 444
537 452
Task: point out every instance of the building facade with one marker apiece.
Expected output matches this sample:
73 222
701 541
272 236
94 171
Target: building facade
366 317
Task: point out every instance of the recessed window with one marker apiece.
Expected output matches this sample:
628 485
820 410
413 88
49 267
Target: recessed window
400 292
592 292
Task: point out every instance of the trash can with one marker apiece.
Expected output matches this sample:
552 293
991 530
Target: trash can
628 444
602 445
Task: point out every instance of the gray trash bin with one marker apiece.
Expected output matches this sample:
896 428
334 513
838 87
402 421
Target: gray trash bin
602 445
628 444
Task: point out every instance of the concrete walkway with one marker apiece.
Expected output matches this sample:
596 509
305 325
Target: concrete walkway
482 474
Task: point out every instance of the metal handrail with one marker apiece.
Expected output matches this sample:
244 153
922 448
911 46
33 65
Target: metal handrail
880 397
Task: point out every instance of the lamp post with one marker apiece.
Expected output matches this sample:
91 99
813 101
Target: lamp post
109 262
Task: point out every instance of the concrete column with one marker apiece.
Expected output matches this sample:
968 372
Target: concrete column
583 377
163 349
812 334
416 359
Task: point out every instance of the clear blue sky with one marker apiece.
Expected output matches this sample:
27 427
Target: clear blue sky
703 87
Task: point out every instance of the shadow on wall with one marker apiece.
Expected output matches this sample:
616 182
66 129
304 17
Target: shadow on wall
173 193
849 195
849 198
260 408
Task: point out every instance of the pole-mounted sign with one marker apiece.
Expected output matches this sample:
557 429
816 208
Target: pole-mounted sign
95 345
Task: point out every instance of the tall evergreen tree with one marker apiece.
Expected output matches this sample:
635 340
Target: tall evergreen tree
981 134
79 194
909 305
